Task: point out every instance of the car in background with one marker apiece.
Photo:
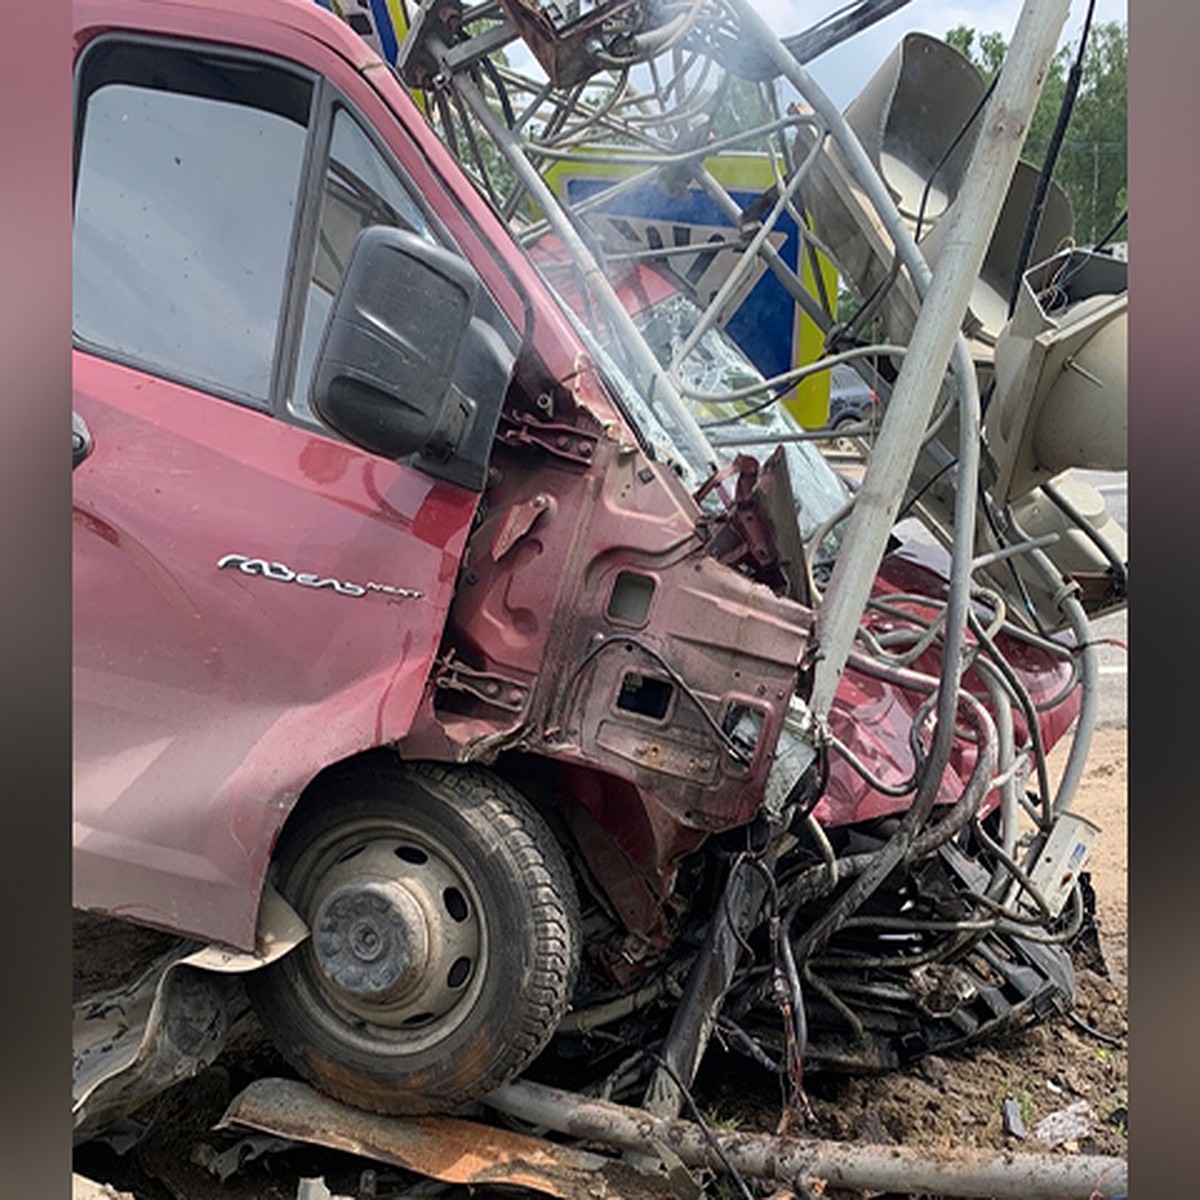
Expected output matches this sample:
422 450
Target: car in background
851 400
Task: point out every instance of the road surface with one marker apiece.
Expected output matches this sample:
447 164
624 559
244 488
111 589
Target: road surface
1114 660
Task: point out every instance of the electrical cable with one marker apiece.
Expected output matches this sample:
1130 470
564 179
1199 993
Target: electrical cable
839 334
748 1046
1021 692
911 840
887 789
781 382
1114 229
824 845
1042 188
836 27
1067 934
916 641
834 1001
994 525
1107 1038
506 107
1015 870
698 1117
925 487
1092 534
1004 920
958 137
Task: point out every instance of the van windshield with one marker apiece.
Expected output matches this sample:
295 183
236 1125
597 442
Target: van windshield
717 365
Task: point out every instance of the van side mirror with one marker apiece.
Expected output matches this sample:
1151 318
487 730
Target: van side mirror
405 367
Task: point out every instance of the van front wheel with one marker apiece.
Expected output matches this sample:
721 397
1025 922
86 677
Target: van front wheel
445 937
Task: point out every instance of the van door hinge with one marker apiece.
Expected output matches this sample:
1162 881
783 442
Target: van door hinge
496 690
563 441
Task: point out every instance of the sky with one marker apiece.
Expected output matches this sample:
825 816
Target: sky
843 71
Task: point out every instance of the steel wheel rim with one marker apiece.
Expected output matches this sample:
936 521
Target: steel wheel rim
362 879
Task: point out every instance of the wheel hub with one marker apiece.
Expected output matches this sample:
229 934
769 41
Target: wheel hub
397 934
371 940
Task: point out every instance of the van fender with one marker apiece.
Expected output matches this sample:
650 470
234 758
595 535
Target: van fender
133 1041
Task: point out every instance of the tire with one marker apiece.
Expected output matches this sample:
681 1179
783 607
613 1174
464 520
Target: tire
843 444
445 937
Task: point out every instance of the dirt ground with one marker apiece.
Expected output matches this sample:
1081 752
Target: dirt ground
1076 1066
958 1100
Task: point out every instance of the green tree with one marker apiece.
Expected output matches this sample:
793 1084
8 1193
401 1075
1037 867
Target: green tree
987 56
1092 164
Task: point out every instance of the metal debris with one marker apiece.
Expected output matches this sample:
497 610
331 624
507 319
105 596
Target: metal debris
135 1040
230 1161
1010 1111
122 1136
445 1148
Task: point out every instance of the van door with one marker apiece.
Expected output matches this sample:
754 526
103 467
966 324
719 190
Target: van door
253 597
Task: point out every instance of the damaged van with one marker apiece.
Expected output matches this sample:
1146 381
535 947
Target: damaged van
439 681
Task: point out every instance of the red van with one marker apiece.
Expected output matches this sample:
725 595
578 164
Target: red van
395 624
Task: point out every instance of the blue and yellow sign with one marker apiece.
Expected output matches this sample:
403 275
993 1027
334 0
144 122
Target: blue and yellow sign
382 24
760 316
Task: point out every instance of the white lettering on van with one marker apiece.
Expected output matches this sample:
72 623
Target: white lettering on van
282 573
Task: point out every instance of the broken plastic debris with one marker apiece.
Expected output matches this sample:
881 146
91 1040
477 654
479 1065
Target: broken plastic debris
316 1189
1010 1110
83 1188
1068 1124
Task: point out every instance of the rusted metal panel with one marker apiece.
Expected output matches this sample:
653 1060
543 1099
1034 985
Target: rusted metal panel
564 45
445 1148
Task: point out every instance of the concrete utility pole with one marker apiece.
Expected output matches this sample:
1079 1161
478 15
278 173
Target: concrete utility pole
1005 123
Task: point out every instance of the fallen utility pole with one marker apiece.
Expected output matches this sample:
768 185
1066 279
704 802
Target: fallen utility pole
936 335
793 1161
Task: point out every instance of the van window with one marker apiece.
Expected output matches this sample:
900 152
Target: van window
188 178
360 189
